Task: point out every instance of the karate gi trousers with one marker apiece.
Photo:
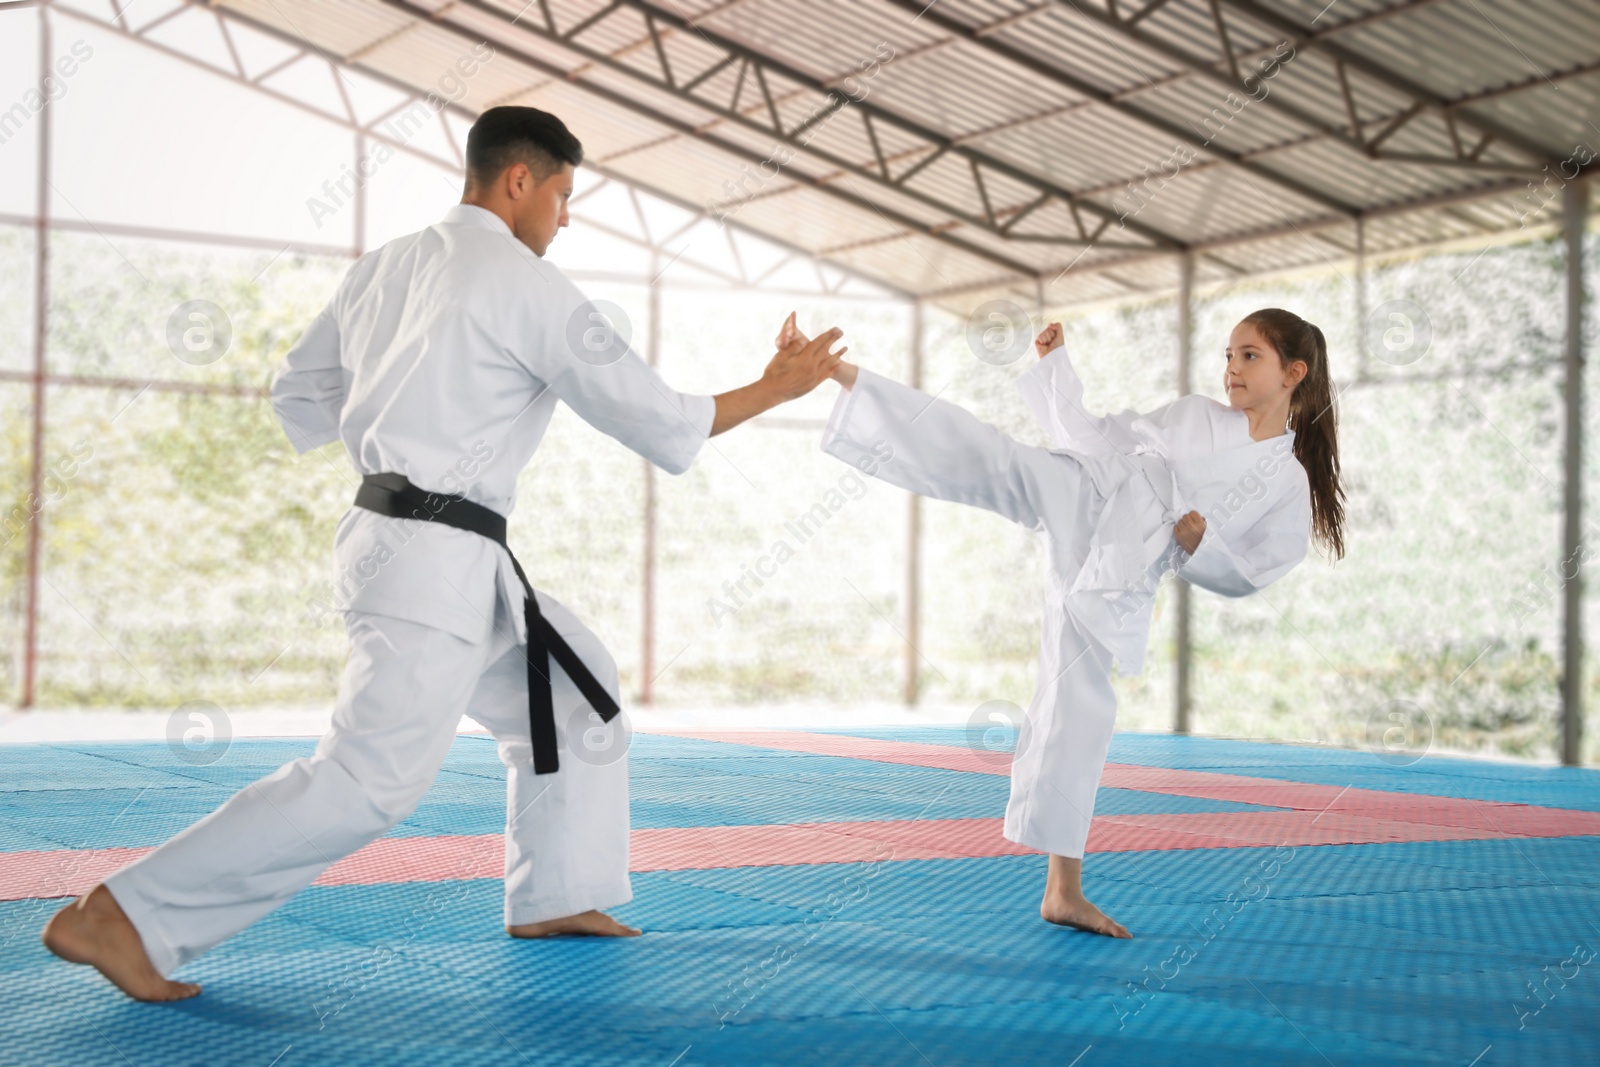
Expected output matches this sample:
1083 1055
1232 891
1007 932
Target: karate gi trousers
942 451
402 694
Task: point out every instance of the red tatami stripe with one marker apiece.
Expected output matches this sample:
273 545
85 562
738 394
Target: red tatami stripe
1485 818
1311 815
434 859
69 872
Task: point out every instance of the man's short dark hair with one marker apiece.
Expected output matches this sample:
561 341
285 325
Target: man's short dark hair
504 136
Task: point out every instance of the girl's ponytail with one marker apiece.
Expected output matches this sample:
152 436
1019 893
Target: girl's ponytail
1313 416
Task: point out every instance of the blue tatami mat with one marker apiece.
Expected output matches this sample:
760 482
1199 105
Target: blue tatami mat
1452 952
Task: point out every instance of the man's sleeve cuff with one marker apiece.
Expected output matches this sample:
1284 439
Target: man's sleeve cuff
700 409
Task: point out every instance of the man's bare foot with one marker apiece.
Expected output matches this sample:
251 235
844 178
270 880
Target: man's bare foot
1081 914
94 930
594 923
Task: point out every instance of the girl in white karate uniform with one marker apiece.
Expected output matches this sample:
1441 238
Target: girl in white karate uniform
1226 495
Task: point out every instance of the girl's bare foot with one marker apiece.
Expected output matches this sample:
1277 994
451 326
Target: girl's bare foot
594 923
1064 903
93 929
1081 914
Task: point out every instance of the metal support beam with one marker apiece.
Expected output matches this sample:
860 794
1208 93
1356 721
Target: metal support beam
41 331
1362 21
1030 61
763 117
1574 205
742 280
1304 228
373 133
358 222
1300 36
1203 67
913 574
733 149
716 279
139 385
1361 296
647 611
1182 701
162 233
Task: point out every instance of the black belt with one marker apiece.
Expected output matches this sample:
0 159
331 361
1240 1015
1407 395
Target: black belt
393 495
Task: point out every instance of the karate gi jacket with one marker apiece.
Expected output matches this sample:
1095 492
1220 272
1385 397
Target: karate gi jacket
441 356
1192 454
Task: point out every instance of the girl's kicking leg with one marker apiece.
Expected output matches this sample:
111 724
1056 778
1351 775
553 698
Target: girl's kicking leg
937 449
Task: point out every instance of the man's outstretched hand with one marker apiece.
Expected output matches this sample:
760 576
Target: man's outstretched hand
789 334
798 367
802 364
844 372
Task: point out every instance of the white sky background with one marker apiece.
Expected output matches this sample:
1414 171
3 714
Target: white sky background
141 138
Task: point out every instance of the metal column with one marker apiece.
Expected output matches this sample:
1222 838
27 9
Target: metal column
647 612
1180 667
41 250
1361 298
913 575
358 225
1574 206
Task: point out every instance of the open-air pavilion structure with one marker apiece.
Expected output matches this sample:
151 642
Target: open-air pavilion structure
992 158
836 894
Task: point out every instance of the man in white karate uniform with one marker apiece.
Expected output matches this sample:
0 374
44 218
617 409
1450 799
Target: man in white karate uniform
438 363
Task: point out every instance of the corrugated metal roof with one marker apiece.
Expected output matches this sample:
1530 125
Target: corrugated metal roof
1135 127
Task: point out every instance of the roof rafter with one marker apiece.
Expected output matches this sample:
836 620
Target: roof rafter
1382 14
1299 36
995 206
1349 135
1033 64
913 226
414 95
754 64
1469 161
1303 227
